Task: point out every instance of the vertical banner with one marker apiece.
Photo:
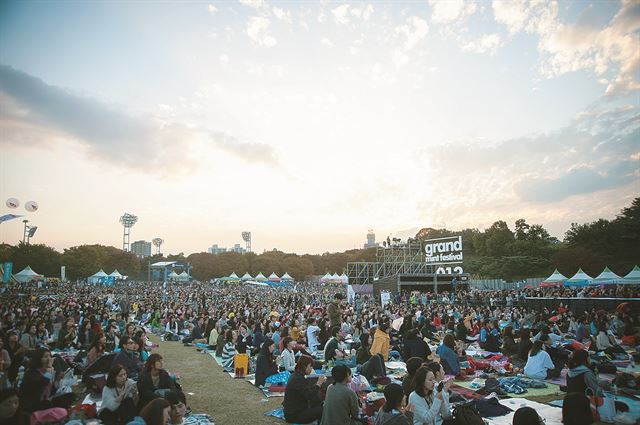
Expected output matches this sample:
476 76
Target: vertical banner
385 297
8 268
63 273
351 294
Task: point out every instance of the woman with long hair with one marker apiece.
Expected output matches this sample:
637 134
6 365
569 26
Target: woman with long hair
154 381
580 376
97 348
156 412
119 397
302 403
394 410
40 382
431 405
539 362
266 363
229 350
449 355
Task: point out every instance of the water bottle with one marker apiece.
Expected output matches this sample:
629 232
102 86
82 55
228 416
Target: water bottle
20 376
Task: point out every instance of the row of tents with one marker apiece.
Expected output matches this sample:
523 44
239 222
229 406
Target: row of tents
233 277
335 278
102 277
607 277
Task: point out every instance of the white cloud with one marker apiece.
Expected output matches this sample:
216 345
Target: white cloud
449 11
224 60
326 42
345 12
488 43
256 4
258 31
414 30
565 47
212 9
282 14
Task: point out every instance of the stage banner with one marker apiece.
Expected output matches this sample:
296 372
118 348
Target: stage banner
63 273
8 268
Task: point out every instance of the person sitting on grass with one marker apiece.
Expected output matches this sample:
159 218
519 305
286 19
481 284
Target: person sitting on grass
449 355
128 357
431 406
9 408
333 351
287 360
580 376
539 364
408 384
229 350
157 412
119 397
154 380
526 416
576 410
302 403
340 403
178 408
266 363
381 341
394 411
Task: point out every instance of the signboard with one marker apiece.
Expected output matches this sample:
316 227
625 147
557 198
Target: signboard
351 294
446 253
8 268
63 273
385 298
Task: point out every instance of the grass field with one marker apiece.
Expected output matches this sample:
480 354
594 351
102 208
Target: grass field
212 391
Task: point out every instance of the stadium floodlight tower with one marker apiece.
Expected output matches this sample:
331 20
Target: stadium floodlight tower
246 237
157 242
127 221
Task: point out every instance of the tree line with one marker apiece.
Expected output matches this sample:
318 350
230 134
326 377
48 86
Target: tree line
497 252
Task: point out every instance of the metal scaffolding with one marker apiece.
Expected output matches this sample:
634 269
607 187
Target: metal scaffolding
400 258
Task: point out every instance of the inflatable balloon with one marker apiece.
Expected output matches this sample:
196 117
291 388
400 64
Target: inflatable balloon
31 206
13 203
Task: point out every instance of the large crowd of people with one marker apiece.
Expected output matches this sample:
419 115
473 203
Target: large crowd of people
294 329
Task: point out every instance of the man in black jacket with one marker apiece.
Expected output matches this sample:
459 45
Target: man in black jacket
128 358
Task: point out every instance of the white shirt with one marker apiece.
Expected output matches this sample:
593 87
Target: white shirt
537 365
425 414
312 339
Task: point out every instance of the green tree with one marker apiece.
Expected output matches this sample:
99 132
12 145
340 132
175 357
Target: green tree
42 259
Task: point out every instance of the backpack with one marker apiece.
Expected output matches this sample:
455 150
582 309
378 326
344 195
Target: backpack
465 414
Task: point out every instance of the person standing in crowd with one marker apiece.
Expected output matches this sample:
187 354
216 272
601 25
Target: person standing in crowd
334 310
302 403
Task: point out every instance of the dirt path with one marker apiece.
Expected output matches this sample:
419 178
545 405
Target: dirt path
228 401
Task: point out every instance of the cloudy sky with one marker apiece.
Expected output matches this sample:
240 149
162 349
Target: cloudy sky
308 123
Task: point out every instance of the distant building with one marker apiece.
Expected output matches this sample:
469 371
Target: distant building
141 249
371 240
215 249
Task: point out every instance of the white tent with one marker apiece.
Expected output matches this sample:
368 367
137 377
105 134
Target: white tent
173 275
325 278
183 277
633 276
286 276
97 277
579 279
274 277
556 278
607 276
246 277
344 278
116 274
260 277
234 276
27 275
335 277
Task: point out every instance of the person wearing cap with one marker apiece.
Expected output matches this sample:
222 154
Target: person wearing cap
394 411
334 310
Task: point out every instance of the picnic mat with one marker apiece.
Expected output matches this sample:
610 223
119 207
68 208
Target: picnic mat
279 413
634 405
268 393
551 389
551 415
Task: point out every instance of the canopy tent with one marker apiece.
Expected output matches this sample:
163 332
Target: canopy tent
100 276
556 278
274 277
184 277
286 276
325 278
260 278
27 275
246 277
173 276
234 276
607 277
116 274
335 277
633 276
344 278
579 279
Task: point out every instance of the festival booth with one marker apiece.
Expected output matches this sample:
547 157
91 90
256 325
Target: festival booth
274 278
99 277
184 277
325 278
285 277
246 277
555 279
261 278
116 275
579 279
633 277
173 276
234 276
607 277
27 275
344 279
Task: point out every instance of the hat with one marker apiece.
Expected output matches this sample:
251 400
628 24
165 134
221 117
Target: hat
232 314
